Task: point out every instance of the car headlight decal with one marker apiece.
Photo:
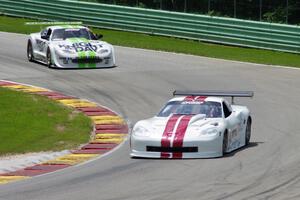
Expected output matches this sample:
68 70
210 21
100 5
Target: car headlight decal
103 51
141 131
210 132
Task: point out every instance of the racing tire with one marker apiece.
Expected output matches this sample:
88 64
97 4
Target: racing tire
248 132
225 142
49 59
30 51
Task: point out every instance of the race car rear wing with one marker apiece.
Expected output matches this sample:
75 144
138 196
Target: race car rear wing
215 93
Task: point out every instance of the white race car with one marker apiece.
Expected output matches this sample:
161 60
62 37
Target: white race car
198 124
70 46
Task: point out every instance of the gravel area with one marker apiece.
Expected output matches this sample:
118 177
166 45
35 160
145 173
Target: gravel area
15 162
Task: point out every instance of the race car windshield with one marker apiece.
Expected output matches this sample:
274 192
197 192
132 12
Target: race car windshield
209 108
63 34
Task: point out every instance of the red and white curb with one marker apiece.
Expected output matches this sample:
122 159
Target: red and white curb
109 131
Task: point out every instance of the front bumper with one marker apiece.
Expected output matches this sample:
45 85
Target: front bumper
208 147
74 61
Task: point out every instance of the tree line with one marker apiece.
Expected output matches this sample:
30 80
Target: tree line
279 11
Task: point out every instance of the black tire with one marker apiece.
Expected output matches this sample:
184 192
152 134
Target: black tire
248 131
225 142
49 59
29 51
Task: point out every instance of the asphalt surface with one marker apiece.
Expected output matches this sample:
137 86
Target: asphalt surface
137 89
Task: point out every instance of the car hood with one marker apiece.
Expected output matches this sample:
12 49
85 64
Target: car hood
193 127
77 45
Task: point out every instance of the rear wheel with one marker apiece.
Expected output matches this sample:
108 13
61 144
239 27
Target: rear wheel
225 142
29 51
49 58
248 132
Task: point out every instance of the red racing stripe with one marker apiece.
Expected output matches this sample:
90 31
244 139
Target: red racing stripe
200 98
189 98
166 137
195 98
179 134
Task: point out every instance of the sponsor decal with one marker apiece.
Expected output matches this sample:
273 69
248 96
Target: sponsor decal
195 98
234 139
81 46
85 50
191 102
234 133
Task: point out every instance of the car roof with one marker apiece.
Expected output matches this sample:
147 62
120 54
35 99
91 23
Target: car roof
197 98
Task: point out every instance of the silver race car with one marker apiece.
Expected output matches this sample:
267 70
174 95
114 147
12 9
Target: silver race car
199 124
70 46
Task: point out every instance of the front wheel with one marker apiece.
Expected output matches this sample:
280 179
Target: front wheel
49 58
225 143
248 132
29 51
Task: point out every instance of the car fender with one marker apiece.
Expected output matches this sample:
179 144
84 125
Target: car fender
54 58
113 54
32 39
243 115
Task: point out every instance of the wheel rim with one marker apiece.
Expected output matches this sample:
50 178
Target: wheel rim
29 52
248 132
48 58
225 142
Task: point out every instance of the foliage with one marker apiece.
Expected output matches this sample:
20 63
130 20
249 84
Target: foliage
271 11
278 15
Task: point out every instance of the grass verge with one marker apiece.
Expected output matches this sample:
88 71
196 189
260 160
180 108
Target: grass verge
32 123
11 24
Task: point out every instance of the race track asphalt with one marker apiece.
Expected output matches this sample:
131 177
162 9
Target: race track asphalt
137 88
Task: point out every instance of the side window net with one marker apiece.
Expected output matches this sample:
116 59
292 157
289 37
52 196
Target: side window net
226 110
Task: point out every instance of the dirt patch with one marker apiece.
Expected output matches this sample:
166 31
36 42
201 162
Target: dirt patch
60 128
10 163
73 114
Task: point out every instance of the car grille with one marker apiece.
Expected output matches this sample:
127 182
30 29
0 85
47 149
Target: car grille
172 149
87 60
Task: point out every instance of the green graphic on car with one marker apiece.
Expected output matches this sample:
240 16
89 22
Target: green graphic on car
84 55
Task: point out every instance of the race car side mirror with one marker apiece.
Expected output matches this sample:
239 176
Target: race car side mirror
99 36
45 37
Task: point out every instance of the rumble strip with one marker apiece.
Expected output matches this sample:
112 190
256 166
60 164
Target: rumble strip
109 131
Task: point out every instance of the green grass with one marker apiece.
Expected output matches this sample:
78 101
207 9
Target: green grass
10 24
32 123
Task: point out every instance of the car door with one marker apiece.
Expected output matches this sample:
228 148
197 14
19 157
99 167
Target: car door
233 126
